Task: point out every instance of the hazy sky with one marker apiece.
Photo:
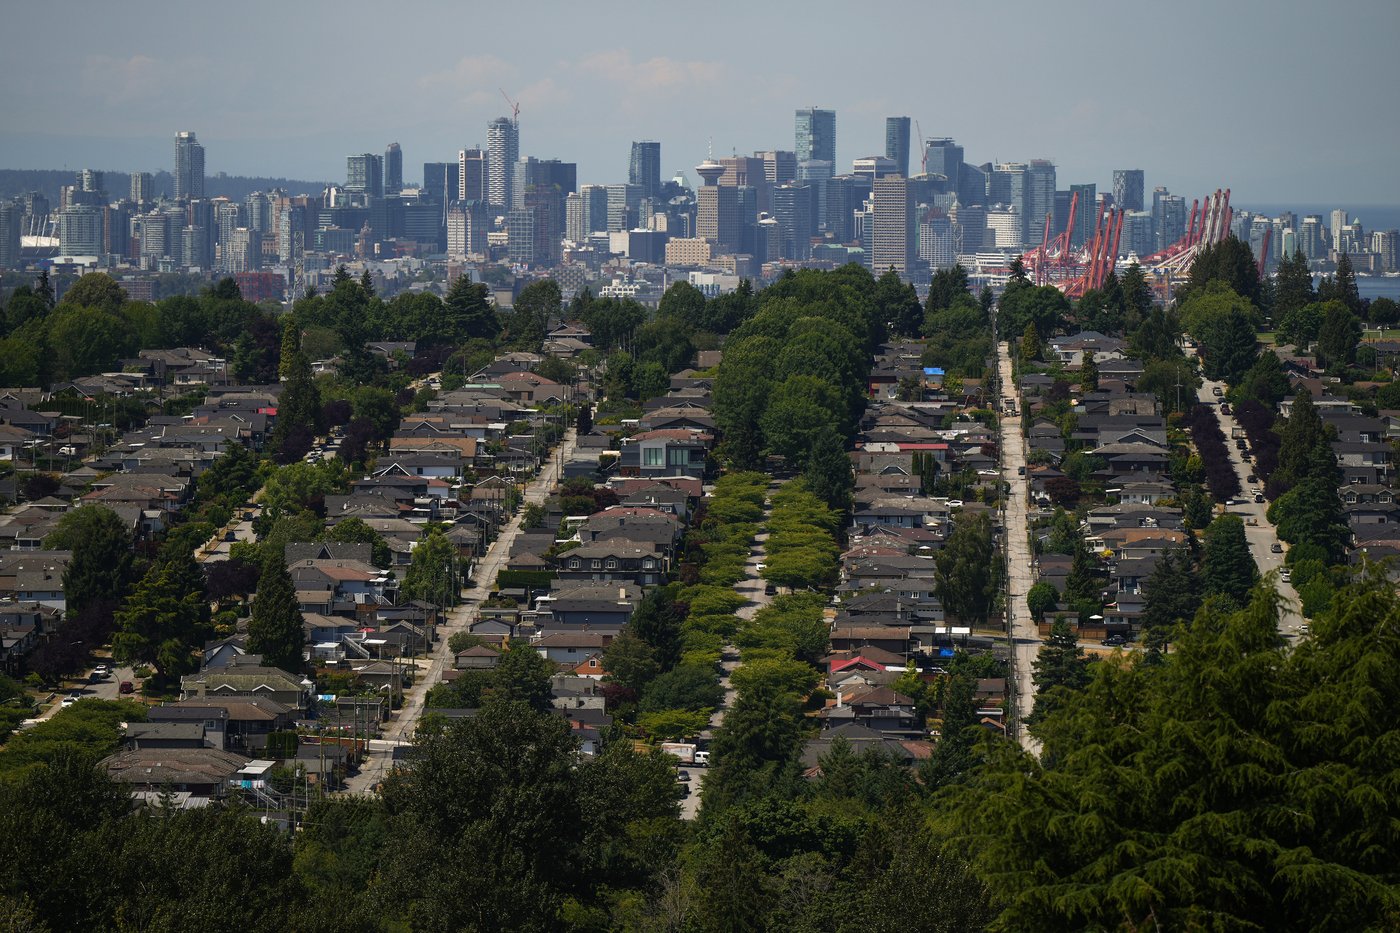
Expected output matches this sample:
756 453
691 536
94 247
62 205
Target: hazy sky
1281 101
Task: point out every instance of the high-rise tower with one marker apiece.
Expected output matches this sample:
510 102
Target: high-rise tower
471 174
644 170
716 208
189 167
364 174
503 150
1127 189
897 143
393 169
816 135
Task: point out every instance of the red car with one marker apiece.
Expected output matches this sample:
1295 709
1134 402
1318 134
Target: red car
126 686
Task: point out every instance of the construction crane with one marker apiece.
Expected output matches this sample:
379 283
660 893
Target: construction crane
923 147
514 107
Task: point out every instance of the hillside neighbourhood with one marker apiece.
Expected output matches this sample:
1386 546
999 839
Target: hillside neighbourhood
712 600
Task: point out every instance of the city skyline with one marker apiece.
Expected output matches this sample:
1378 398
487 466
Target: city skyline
585 101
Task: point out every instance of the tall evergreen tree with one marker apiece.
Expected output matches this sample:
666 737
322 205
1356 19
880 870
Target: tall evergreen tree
1227 568
470 310
1298 443
1083 589
1137 293
1059 665
299 411
1293 285
1338 338
276 630
1171 596
160 622
1343 287
966 576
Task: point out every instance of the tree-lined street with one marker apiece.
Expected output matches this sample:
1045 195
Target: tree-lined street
1025 638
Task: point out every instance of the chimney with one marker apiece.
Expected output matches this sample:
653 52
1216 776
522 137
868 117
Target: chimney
622 594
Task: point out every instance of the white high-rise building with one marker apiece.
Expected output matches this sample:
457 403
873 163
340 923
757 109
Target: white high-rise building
503 151
80 230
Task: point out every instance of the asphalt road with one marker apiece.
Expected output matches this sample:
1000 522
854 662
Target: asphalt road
88 689
1025 637
428 671
1260 534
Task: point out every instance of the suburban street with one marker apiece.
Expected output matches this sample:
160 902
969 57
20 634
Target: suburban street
428 671
104 689
1025 638
1258 531
751 588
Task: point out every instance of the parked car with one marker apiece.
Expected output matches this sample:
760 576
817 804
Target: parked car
1114 641
1217 392
1285 575
770 590
1276 548
682 775
1258 497
71 698
101 672
1251 479
126 686
1020 471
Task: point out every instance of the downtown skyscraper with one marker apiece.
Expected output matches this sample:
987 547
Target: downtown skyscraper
503 150
1127 189
816 135
393 169
644 169
189 167
897 143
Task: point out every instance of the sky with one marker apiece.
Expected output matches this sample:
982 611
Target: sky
1279 101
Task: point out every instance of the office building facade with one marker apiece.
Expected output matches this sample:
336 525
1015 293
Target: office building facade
1085 213
815 174
891 240
393 169
897 143
364 174
644 168
792 209
816 135
1127 189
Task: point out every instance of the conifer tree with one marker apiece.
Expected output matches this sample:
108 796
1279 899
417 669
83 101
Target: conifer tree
276 630
1060 664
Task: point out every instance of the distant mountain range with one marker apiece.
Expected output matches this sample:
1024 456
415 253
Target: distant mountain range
17 181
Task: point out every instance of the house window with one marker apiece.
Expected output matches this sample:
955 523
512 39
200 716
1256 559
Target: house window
678 457
573 564
653 456
611 564
597 564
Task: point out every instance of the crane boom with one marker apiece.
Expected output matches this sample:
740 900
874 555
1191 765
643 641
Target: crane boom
514 107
